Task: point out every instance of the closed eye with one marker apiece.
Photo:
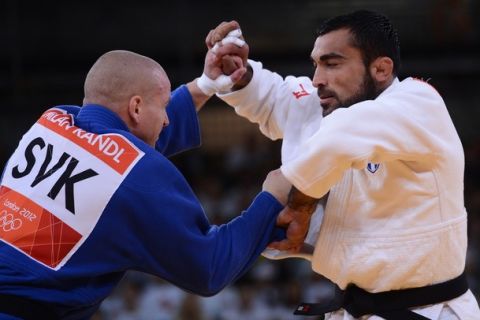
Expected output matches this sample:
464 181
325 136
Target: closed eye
331 64
332 60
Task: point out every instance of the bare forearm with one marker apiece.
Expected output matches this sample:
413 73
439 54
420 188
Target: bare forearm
198 97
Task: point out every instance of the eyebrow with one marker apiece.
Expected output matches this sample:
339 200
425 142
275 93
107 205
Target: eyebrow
332 55
328 56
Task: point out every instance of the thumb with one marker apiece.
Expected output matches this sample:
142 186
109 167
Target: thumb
285 217
240 68
238 74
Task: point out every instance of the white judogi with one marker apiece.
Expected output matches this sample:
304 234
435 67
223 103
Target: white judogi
395 215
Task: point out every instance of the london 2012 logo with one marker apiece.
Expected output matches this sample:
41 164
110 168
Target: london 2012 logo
8 222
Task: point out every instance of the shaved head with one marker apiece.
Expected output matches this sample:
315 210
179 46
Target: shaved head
118 75
133 86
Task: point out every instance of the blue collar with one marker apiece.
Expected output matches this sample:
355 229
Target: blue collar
100 115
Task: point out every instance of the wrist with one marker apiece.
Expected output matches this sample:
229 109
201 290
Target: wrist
300 202
206 85
198 97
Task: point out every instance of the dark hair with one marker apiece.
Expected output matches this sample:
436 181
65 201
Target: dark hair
372 33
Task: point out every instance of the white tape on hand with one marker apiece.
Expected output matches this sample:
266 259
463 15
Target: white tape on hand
223 83
235 33
231 37
209 87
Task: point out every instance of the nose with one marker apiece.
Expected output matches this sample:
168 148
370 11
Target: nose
319 78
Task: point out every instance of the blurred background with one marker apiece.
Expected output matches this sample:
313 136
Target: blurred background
47 47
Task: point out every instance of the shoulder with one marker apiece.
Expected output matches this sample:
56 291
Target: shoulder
410 95
181 96
421 88
153 171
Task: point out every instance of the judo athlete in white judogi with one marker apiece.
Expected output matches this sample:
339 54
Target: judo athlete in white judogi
393 233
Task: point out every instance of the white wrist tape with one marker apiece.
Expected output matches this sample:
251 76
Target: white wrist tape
209 87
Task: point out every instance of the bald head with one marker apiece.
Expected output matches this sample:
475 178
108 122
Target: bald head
118 75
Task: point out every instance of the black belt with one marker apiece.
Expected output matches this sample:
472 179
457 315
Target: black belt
25 308
391 305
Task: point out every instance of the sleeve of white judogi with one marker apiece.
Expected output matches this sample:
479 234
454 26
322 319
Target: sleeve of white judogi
268 99
405 124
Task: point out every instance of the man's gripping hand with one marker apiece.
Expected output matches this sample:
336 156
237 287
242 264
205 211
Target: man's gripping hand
226 61
227 40
223 67
295 217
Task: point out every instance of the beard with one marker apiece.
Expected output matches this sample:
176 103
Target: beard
368 90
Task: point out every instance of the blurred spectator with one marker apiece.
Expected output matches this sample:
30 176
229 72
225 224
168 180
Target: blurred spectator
190 308
249 307
215 306
160 301
129 302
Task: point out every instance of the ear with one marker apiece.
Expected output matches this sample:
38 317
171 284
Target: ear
135 108
381 69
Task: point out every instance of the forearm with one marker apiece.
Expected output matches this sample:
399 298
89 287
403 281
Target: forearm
198 97
209 260
261 98
240 242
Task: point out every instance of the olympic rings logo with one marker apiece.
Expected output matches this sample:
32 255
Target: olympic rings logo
8 222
